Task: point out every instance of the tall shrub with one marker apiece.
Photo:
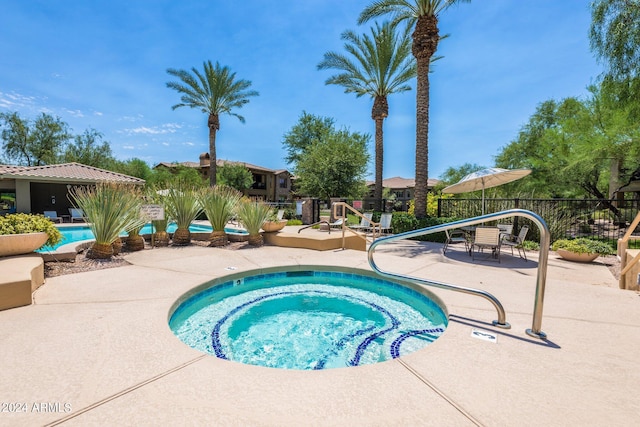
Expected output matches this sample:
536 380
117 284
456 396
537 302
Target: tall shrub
219 203
183 208
110 209
253 215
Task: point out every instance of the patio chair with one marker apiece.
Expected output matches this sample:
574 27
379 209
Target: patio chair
453 237
365 222
516 241
77 215
385 223
505 229
487 238
337 223
53 216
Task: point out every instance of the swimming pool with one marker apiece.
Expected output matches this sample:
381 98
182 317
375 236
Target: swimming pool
308 319
79 233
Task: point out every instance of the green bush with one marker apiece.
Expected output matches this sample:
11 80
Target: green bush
402 222
583 245
29 223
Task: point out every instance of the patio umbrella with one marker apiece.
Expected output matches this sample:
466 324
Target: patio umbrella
486 178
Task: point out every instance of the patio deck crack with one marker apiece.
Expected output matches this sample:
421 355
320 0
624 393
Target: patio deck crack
435 389
125 391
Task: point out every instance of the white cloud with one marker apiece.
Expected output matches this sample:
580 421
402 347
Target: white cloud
97 113
190 144
166 144
128 147
74 113
15 100
155 130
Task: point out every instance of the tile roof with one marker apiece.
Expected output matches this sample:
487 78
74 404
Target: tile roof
68 172
219 162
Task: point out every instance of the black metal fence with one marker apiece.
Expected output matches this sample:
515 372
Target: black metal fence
599 219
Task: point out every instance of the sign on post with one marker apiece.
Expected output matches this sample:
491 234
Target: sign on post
152 212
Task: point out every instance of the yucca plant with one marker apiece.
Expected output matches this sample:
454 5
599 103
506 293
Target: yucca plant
252 215
160 235
134 241
110 209
183 207
219 203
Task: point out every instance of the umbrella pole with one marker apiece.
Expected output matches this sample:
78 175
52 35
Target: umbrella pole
483 197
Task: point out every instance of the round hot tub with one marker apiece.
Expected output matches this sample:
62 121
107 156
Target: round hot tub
308 318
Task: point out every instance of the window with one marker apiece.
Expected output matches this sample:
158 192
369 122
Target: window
282 182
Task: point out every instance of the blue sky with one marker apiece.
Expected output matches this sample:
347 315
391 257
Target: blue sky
102 64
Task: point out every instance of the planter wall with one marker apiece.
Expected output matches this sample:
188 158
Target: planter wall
576 257
18 244
272 226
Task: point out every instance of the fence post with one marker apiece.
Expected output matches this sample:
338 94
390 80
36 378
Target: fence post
439 207
516 205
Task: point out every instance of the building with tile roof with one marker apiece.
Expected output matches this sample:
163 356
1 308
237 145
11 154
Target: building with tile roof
270 185
402 188
35 189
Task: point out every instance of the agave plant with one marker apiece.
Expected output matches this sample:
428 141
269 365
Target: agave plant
183 207
253 215
219 203
110 209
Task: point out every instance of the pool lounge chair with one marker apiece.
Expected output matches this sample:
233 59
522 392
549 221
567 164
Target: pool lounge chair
77 215
385 223
365 222
337 223
53 216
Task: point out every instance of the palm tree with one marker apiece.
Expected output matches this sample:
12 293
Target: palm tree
214 92
376 66
422 16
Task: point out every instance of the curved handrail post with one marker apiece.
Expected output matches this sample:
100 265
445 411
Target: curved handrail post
542 263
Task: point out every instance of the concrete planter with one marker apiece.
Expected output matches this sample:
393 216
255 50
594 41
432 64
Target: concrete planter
576 257
18 244
272 226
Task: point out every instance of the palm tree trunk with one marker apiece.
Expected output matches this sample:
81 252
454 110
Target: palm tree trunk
214 126
425 43
377 194
378 113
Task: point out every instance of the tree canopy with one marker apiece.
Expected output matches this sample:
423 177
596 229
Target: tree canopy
327 162
576 148
34 143
235 176
89 149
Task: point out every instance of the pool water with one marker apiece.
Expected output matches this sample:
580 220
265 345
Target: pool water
79 233
308 320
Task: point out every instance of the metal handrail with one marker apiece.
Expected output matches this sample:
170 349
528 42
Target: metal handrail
542 264
623 245
314 224
345 227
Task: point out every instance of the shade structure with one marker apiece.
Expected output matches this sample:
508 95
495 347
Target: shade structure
486 178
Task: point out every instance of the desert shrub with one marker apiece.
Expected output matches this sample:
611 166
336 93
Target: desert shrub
20 223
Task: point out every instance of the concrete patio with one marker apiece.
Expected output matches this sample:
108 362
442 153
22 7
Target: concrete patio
95 349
